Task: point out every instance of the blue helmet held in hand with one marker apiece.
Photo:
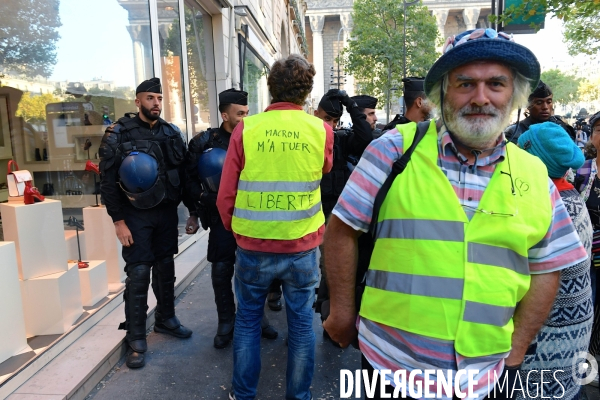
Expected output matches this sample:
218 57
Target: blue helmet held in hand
139 179
210 166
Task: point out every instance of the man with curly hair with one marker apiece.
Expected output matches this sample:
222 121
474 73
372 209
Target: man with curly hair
270 198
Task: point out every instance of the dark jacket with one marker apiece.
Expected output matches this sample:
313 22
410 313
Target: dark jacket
129 130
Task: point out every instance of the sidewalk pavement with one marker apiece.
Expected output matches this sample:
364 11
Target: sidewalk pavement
193 369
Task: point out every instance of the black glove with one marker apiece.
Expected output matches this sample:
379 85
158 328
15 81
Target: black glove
510 383
346 100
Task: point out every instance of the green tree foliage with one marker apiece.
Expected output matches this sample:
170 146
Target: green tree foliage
565 88
580 17
28 36
33 108
378 43
589 91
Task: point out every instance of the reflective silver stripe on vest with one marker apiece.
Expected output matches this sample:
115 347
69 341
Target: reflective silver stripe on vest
487 314
423 229
430 286
498 256
277 215
278 186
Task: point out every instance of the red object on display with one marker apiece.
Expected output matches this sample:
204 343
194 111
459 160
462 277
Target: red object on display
90 166
83 264
31 194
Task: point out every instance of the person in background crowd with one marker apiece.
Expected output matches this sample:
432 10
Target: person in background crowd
418 108
572 312
587 183
141 171
467 259
367 105
541 109
233 105
270 198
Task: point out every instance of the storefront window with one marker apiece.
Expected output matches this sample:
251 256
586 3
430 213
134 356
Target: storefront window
63 82
169 32
199 40
254 73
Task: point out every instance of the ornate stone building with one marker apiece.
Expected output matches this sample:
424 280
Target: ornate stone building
329 26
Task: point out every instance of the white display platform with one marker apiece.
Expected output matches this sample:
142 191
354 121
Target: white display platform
38 232
52 303
102 244
71 239
93 282
13 339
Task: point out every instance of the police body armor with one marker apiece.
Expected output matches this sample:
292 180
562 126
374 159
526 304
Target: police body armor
211 138
168 149
333 182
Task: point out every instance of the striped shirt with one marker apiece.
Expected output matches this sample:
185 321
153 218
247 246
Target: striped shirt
394 349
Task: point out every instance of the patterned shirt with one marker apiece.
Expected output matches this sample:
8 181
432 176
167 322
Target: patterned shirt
394 349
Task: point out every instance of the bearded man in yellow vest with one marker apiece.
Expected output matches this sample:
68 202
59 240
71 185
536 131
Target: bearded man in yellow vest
269 197
470 239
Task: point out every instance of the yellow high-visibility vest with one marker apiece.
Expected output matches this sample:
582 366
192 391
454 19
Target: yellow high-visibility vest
435 273
278 193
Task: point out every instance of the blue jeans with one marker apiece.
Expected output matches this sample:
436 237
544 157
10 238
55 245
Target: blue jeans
254 272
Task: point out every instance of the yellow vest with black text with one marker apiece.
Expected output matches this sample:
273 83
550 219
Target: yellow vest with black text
436 273
278 193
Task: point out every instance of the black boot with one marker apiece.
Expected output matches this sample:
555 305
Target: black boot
221 274
136 306
267 330
163 285
137 353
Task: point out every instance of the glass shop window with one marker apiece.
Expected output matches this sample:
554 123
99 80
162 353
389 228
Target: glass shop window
198 29
169 32
254 74
63 83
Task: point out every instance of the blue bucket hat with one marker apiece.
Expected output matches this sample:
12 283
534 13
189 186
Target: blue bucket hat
481 45
553 145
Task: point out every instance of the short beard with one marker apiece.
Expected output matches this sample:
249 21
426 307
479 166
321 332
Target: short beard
148 114
481 133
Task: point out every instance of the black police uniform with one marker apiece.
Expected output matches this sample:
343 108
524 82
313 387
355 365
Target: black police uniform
513 131
348 146
221 242
153 227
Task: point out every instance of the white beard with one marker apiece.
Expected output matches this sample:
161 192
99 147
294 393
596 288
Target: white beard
477 133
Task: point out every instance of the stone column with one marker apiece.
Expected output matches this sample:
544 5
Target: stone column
440 17
316 25
471 15
346 21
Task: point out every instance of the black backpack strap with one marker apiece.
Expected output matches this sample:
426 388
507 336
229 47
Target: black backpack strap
398 167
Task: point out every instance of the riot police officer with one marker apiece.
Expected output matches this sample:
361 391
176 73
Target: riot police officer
348 146
204 163
141 164
418 108
540 109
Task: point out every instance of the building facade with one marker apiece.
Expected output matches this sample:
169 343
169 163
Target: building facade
64 83
329 26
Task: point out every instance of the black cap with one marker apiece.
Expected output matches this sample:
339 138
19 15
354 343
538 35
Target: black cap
330 103
233 96
364 101
151 85
414 84
541 91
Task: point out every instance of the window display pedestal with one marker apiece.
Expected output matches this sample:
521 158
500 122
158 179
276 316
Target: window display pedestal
93 281
72 250
52 303
13 339
38 232
101 243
